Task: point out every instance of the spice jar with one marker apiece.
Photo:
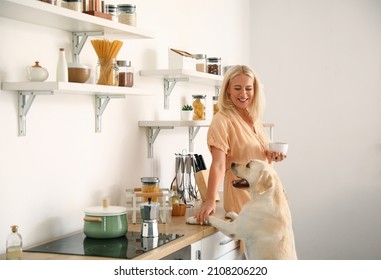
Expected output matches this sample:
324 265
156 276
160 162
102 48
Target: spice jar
150 185
127 14
215 104
107 72
112 10
126 73
200 62
213 65
75 5
198 104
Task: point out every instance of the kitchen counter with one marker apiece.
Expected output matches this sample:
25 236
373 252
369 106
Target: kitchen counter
192 233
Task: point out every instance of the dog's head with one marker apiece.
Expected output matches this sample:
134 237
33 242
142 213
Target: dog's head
256 174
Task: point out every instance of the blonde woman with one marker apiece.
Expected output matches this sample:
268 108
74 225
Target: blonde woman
236 134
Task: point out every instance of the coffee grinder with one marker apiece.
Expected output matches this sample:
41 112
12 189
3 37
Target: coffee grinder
149 212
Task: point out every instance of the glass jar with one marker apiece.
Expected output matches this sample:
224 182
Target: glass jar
200 62
126 73
75 5
198 104
127 14
107 72
112 10
215 104
213 65
150 185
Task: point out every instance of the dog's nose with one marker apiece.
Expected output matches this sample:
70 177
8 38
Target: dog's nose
232 165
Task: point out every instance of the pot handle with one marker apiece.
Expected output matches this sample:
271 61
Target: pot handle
92 219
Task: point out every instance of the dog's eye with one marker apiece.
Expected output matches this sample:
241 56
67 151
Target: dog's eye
248 165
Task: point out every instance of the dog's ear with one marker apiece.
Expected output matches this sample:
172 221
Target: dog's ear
265 182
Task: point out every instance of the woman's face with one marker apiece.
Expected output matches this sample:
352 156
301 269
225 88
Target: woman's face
241 91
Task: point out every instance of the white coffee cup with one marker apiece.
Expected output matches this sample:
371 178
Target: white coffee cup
278 147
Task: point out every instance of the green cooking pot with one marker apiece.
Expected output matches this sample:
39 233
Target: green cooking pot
105 221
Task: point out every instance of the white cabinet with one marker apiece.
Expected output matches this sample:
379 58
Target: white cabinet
216 247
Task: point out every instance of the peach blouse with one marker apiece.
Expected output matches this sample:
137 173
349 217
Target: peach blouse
241 143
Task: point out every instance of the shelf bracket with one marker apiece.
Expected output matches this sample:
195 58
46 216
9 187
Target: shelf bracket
169 84
152 133
193 130
217 90
25 101
79 39
101 102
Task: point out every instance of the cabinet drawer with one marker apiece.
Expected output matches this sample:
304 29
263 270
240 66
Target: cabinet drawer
217 245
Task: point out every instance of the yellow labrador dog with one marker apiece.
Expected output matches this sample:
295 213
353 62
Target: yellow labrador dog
264 223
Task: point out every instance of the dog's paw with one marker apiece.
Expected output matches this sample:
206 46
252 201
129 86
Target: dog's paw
231 215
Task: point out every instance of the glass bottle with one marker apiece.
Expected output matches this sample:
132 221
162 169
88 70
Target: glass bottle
126 73
107 72
14 245
62 70
198 104
215 104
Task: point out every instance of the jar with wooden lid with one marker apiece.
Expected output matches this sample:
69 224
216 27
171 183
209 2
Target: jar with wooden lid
199 105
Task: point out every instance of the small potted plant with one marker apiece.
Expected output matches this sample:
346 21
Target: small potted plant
187 113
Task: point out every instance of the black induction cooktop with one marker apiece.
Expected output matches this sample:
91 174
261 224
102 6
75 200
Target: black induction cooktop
127 247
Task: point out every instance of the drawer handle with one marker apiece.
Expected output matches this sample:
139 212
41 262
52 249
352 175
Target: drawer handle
226 241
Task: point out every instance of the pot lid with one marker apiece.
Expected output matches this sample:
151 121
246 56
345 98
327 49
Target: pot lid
105 210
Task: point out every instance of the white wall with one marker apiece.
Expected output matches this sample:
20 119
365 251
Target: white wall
320 62
61 166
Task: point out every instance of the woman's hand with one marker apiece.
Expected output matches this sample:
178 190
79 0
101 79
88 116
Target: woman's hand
275 156
208 208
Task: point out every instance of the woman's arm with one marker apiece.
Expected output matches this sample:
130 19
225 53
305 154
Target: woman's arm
216 174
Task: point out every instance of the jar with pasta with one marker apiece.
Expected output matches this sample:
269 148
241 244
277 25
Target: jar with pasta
107 72
199 102
150 185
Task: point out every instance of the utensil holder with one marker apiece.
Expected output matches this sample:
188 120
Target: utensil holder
201 178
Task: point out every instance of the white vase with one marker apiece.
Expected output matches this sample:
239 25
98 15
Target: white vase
186 115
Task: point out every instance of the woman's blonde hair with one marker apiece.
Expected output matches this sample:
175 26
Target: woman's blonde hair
257 106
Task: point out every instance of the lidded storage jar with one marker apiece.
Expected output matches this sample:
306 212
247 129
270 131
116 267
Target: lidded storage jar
199 102
112 10
126 73
150 185
200 62
127 14
75 5
213 65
